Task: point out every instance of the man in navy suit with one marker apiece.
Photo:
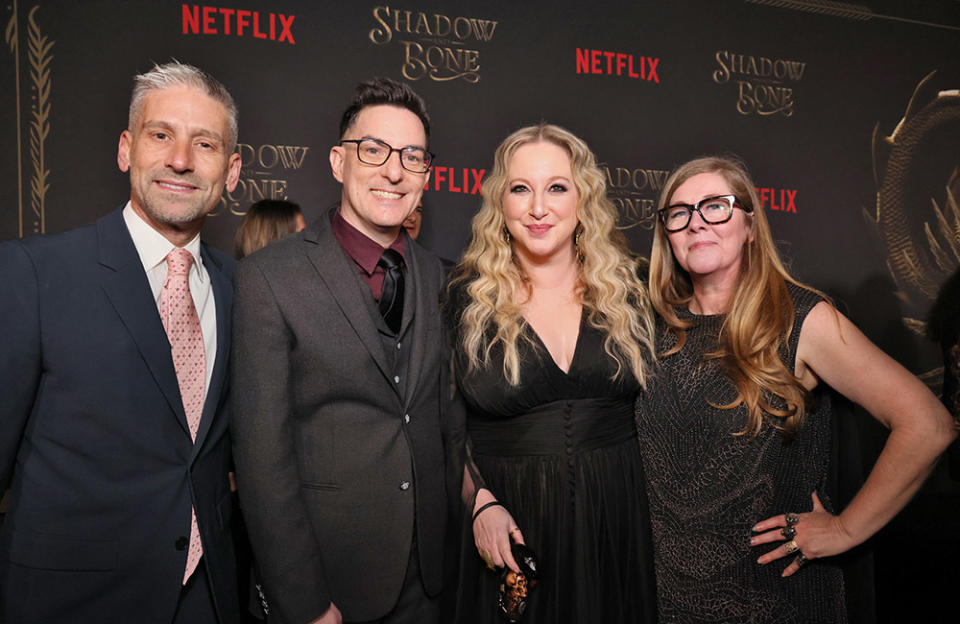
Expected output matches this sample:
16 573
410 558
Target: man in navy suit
111 447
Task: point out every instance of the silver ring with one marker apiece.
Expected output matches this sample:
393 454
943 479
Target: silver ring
788 532
792 518
801 560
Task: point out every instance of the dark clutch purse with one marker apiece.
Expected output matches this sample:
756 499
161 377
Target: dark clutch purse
514 590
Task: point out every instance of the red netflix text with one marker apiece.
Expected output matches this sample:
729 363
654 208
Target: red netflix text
208 20
783 200
456 180
617 64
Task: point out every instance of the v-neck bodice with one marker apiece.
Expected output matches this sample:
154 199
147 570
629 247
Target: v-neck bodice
528 327
541 381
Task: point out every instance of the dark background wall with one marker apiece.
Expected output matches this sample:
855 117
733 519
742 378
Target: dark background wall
848 115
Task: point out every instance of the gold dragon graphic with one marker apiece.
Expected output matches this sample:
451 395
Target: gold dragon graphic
917 174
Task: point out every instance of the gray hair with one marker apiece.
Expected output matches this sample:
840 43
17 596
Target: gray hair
177 74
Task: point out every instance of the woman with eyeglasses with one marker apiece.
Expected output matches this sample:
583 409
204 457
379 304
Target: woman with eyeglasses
553 336
734 431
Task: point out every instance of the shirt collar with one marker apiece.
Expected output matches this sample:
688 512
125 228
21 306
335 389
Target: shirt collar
152 246
365 252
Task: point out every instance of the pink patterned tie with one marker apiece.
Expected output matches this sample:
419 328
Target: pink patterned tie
182 325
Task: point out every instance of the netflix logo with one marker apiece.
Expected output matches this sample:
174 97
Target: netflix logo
456 180
208 20
617 64
783 200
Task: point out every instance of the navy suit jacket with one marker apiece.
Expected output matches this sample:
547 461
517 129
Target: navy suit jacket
94 442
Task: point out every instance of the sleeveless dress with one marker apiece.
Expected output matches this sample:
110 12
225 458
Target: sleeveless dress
560 452
708 487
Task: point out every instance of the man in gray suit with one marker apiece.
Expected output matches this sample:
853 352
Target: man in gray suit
341 411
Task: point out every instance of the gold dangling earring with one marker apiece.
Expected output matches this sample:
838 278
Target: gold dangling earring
576 242
506 235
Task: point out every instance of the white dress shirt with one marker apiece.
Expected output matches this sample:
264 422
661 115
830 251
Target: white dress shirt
153 249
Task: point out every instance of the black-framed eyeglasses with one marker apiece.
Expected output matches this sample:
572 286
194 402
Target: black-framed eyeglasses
713 210
376 152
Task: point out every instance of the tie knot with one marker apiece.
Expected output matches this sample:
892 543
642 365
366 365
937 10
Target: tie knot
391 259
179 261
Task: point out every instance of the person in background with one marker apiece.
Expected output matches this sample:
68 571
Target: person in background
414 221
734 430
266 221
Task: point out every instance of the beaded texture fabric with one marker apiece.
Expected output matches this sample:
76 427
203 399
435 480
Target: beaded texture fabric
182 325
707 487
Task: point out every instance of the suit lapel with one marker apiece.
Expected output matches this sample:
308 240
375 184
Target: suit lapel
128 290
223 299
336 270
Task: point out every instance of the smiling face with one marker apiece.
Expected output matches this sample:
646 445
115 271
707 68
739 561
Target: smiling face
540 203
708 251
178 160
377 199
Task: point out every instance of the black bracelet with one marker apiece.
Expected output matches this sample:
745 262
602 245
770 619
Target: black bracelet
485 507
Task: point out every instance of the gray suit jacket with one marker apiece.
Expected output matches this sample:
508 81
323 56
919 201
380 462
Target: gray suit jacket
338 464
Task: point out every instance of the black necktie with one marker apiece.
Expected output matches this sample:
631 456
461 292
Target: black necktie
391 296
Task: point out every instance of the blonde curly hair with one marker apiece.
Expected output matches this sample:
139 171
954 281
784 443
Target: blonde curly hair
614 298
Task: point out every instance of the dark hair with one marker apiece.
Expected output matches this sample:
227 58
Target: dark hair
266 221
384 91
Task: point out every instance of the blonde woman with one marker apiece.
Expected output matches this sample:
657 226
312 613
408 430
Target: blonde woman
733 431
553 336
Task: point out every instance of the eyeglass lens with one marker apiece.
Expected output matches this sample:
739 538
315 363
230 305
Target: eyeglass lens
373 152
712 210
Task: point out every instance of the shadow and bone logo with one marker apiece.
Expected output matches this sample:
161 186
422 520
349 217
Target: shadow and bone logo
263 175
434 45
634 192
761 82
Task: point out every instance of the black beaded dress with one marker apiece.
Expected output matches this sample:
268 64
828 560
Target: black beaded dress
708 487
560 452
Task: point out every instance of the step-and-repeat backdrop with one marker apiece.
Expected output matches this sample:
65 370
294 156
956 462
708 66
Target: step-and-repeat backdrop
848 115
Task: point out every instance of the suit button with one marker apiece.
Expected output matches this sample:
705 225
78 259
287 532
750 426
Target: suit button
406 418
396 379
398 346
404 485
182 542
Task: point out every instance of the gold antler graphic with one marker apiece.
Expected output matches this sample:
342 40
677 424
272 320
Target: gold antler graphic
948 228
12 36
38 53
